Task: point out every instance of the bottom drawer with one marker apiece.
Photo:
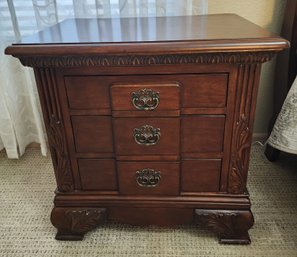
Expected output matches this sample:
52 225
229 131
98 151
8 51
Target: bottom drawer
149 178
201 175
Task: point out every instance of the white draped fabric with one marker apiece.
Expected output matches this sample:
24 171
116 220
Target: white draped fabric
20 113
284 133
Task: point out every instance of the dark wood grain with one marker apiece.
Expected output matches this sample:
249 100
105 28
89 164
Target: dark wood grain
202 133
206 70
205 90
98 174
200 175
209 33
151 216
168 144
87 92
92 133
169 95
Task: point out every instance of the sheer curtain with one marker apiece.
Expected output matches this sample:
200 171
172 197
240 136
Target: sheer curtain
20 113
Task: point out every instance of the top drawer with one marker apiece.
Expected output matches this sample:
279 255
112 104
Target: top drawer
153 92
145 97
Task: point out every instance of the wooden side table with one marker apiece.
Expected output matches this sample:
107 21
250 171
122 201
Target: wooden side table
150 120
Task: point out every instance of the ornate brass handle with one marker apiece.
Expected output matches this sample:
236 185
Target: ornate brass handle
145 99
147 135
148 178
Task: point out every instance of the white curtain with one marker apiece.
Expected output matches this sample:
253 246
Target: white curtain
20 113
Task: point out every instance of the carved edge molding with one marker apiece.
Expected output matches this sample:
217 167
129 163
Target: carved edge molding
247 84
46 84
231 226
73 223
141 60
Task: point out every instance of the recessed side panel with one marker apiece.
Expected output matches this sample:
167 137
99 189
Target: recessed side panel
202 133
200 175
92 134
98 174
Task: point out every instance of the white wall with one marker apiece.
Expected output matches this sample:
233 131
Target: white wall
267 14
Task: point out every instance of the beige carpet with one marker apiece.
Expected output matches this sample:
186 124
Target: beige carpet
26 194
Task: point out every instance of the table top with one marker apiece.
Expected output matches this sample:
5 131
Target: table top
207 33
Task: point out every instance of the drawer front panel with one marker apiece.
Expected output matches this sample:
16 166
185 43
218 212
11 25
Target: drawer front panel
202 134
92 134
200 175
149 178
97 174
145 97
89 92
204 90
192 90
147 136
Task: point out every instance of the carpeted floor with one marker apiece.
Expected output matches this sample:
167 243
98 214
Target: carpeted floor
26 194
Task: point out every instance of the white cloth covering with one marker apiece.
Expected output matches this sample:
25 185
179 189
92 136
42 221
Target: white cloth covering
284 133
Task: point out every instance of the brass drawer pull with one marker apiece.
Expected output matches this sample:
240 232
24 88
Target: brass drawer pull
145 99
147 135
148 178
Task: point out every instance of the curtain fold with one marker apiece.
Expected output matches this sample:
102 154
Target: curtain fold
20 116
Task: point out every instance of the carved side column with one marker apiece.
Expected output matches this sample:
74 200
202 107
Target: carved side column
232 225
73 223
246 94
47 88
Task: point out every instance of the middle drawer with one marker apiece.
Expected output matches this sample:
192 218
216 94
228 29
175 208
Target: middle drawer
147 136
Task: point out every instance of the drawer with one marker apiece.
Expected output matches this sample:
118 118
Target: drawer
191 90
149 178
200 175
87 92
92 134
204 90
203 134
97 174
147 136
145 97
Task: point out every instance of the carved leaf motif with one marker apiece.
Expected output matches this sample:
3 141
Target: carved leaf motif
237 183
140 60
84 220
246 85
220 223
230 225
60 160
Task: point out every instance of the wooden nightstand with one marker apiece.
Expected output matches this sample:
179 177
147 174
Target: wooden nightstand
150 120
